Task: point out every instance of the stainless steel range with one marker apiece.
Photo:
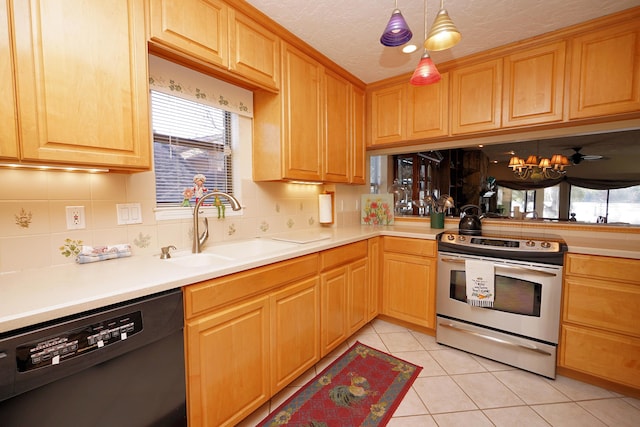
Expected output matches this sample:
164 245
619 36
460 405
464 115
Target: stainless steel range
498 296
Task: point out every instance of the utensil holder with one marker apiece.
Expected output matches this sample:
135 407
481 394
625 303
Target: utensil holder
437 219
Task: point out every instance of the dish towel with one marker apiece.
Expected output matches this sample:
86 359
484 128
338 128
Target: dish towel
101 253
480 276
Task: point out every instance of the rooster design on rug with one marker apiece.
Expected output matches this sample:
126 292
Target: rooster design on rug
349 395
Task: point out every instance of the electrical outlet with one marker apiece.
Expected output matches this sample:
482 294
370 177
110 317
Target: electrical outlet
75 218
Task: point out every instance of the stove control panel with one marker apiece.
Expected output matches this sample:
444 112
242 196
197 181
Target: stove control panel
501 244
76 342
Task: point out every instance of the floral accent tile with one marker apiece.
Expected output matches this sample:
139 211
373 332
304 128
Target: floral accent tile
290 223
264 226
70 248
278 207
142 241
311 220
377 209
232 229
23 219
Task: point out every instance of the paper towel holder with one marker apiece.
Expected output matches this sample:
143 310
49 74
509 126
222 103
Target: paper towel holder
325 207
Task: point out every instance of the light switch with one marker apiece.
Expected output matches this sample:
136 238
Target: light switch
129 213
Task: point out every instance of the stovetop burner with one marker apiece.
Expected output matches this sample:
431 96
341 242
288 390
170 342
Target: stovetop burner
517 246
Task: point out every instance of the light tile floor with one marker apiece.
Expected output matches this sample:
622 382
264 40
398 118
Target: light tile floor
459 389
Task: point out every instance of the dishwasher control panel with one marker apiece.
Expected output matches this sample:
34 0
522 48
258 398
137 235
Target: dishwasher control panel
77 342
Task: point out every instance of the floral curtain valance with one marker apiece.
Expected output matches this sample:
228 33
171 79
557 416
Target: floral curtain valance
174 79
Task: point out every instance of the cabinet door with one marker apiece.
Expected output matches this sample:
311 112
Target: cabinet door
388 114
227 356
375 272
303 118
534 86
295 341
82 86
337 148
605 72
358 295
409 288
613 357
197 28
358 172
8 117
476 97
333 293
254 52
428 109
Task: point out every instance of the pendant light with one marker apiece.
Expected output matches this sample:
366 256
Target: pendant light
397 31
443 34
426 72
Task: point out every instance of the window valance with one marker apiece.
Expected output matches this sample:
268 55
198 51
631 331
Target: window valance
174 79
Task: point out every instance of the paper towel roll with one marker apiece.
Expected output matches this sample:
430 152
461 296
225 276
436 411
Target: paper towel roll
325 207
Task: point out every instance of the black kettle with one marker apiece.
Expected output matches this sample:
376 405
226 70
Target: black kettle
470 224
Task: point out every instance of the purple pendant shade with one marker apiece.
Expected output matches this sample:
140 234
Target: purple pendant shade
397 31
426 73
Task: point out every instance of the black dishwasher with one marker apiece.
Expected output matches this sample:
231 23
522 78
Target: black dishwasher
121 365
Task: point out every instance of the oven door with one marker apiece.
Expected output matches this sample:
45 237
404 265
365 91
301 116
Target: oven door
526 302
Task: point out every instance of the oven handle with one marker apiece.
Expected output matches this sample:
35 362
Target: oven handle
495 339
507 267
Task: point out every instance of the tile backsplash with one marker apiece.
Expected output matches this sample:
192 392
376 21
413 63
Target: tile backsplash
33 227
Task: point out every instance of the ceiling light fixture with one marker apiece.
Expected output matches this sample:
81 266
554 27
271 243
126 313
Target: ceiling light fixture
397 31
426 72
443 34
538 170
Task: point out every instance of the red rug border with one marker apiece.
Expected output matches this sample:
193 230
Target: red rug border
387 416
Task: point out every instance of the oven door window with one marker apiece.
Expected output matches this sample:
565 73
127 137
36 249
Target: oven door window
512 295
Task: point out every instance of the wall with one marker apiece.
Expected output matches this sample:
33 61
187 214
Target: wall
39 198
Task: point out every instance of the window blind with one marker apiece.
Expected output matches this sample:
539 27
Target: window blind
189 138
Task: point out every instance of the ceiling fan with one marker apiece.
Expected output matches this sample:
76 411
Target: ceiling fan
578 157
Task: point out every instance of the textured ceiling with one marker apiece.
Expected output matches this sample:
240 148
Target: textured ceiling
348 31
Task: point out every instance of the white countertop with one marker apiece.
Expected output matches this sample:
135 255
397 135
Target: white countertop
33 296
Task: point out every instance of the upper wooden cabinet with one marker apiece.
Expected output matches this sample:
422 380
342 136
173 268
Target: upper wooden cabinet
428 109
303 116
533 90
605 71
344 151
358 172
338 135
402 112
212 32
476 97
196 27
387 114
313 129
8 116
254 52
82 85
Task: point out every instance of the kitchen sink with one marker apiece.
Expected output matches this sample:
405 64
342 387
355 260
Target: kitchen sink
250 248
187 259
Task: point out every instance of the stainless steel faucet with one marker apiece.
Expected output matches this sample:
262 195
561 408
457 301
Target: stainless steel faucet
198 240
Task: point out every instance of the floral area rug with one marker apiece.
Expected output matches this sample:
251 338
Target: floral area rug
363 387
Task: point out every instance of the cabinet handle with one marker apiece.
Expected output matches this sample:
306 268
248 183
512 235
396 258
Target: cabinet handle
507 267
495 339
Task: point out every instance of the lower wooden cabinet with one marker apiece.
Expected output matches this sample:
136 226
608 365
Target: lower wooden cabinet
227 355
247 335
409 280
295 331
600 333
344 291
